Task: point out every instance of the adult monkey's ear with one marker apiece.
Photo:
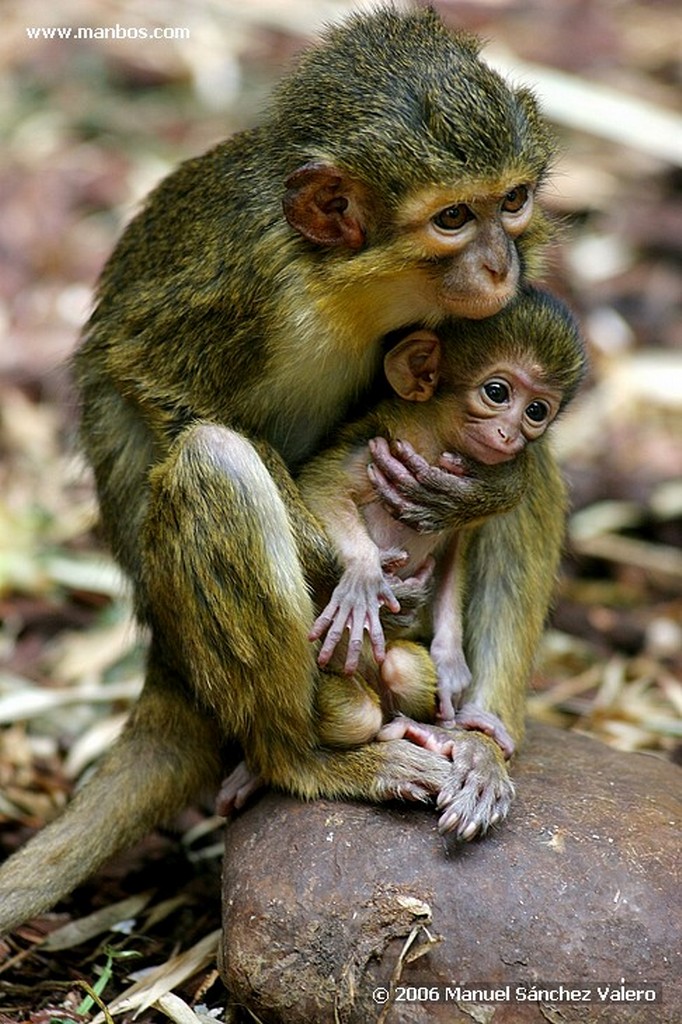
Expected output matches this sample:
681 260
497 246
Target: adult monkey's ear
326 206
412 366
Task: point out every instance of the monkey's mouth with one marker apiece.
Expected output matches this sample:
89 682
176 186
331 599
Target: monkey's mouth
493 454
475 307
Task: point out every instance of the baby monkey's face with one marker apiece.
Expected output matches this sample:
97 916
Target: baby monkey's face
489 415
508 406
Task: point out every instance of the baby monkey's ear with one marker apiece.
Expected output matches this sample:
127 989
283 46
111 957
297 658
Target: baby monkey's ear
412 366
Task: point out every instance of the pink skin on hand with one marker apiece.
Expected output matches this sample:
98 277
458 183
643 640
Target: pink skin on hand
442 738
355 606
413 491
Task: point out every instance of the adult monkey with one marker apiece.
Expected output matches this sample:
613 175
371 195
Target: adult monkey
238 320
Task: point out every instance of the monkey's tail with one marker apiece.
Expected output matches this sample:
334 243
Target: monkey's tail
167 754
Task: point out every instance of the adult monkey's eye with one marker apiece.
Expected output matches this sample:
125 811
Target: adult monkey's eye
453 217
537 411
515 199
497 391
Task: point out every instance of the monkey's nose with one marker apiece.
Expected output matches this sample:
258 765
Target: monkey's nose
498 274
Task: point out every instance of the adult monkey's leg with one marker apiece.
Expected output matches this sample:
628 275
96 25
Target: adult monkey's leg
230 604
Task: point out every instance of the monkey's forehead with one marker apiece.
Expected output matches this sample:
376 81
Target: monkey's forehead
399 100
524 367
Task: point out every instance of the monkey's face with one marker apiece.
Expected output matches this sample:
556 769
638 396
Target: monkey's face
444 251
469 246
505 409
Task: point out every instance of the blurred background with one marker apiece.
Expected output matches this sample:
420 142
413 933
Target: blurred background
88 127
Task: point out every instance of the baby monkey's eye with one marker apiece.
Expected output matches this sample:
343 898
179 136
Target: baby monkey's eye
537 411
515 199
453 217
497 391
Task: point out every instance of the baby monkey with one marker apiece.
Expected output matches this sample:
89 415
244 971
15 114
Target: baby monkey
471 399
474 398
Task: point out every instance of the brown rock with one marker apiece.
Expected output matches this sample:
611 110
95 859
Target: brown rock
327 903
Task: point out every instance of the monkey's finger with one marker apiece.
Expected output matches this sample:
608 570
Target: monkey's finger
460 814
376 635
413 591
389 494
422 735
326 651
334 634
452 463
441 477
466 827
393 559
396 470
319 628
448 820
407 456
479 792
476 719
388 599
323 621
404 465
419 504
424 573
446 710
356 627
245 792
393 730
429 738
419 479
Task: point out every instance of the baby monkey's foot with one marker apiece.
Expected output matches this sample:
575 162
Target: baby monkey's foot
236 789
431 737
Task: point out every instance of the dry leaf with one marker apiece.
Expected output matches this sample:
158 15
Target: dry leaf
103 920
164 978
177 1009
31 703
88 654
